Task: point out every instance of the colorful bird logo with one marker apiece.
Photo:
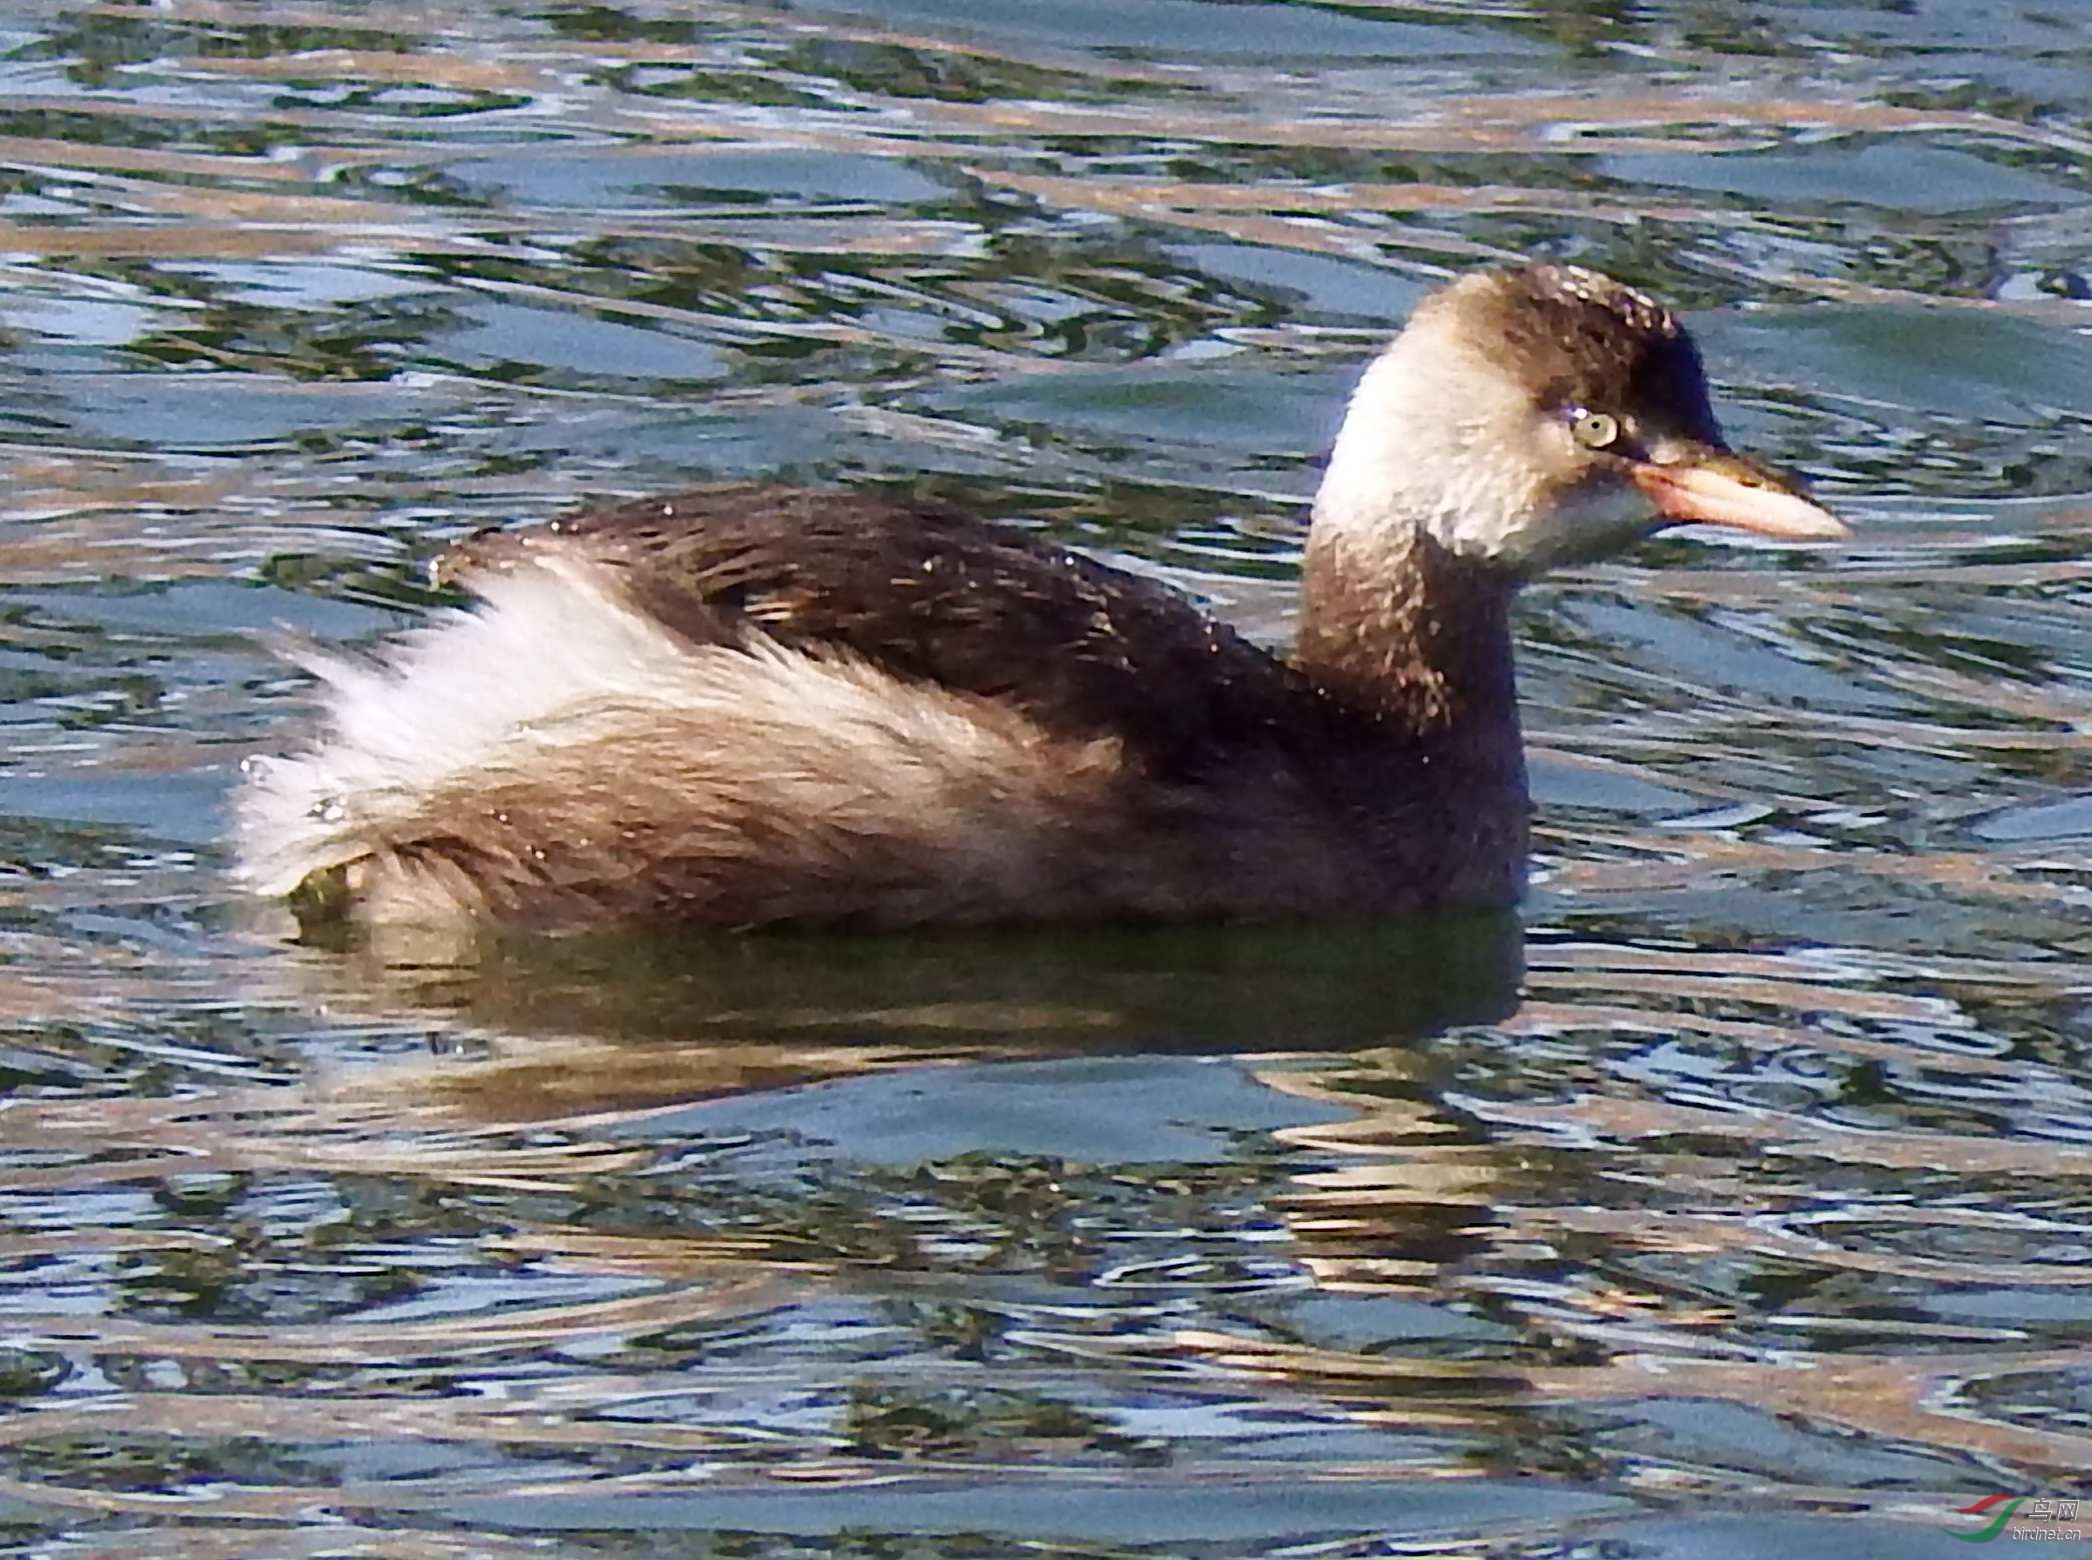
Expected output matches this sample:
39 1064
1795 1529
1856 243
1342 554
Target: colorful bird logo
1997 1524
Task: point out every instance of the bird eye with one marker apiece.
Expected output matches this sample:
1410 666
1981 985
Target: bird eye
1594 430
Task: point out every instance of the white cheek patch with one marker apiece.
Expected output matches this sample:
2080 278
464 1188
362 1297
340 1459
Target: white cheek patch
1498 487
1485 506
1436 437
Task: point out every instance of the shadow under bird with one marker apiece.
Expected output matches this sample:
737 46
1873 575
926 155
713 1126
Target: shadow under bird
747 705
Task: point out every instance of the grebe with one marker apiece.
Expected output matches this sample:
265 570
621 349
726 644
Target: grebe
745 705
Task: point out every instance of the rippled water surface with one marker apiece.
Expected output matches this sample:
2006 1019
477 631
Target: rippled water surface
1733 1201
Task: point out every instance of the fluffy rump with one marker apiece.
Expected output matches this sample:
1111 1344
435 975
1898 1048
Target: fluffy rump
559 757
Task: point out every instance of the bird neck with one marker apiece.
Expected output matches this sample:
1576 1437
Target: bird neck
1397 624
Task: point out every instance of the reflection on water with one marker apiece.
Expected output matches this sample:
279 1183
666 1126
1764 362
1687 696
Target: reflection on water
1734 1203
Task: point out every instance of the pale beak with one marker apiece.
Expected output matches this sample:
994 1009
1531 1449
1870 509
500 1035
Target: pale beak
1716 487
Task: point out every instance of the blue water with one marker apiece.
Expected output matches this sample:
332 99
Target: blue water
1731 1200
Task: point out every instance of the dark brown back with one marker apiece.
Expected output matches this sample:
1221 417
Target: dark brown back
936 596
